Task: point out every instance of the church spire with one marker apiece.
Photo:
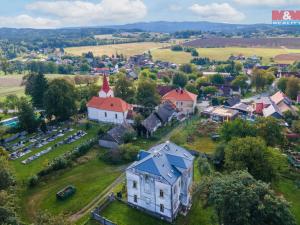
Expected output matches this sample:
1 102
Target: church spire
105 91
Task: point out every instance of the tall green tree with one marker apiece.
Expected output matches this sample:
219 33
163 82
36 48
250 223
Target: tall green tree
270 130
239 199
282 83
6 176
252 154
26 115
293 87
4 65
217 79
236 128
261 79
146 94
124 89
180 79
36 86
241 82
59 99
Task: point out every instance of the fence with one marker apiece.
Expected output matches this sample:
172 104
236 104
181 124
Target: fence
96 213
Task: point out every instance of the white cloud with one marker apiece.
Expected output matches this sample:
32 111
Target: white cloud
59 13
175 8
88 13
268 2
222 12
28 21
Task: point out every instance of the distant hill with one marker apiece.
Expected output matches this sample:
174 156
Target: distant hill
164 26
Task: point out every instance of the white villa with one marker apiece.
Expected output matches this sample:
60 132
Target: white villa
160 181
107 108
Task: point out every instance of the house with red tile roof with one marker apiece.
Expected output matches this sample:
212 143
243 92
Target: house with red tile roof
184 100
107 108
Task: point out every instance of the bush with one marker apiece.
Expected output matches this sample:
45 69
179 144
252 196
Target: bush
177 48
123 154
33 181
129 136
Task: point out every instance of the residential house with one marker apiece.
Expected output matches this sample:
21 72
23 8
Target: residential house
162 116
166 112
115 136
243 108
184 100
232 101
107 108
151 124
160 182
275 106
220 113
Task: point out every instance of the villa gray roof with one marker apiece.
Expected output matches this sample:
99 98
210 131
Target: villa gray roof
165 160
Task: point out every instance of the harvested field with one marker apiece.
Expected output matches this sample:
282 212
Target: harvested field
287 57
293 43
125 49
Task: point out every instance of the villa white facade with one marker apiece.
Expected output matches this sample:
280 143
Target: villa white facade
160 182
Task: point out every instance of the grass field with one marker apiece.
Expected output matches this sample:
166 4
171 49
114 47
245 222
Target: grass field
125 49
90 177
221 53
291 193
171 56
12 84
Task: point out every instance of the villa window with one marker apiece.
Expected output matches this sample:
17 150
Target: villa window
116 115
134 184
135 198
105 114
161 193
162 208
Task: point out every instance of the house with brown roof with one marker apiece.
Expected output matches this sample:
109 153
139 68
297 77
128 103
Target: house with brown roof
184 100
107 108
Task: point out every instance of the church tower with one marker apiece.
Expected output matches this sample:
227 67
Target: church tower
106 91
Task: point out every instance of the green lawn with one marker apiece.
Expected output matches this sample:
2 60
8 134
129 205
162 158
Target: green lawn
122 214
90 177
189 136
23 172
291 193
202 144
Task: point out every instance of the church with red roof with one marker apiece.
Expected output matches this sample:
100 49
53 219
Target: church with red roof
184 100
106 107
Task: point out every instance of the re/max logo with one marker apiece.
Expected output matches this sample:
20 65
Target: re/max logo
286 17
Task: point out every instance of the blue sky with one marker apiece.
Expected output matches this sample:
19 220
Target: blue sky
68 13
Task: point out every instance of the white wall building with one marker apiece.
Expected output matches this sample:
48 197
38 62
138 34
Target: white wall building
106 107
161 181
